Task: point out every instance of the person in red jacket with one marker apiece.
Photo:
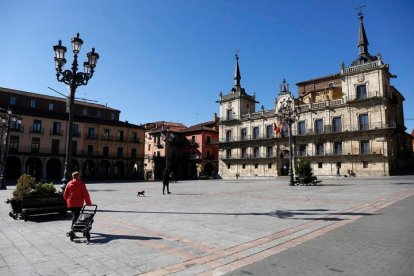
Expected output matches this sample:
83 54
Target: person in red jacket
75 194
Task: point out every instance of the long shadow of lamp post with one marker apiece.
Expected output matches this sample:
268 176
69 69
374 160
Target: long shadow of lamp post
73 79
10 120
288 114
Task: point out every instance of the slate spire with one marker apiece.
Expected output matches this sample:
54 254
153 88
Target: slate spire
362 38
237 76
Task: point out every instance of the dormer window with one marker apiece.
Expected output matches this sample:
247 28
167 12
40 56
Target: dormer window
32 103
12 100
50 106
84 111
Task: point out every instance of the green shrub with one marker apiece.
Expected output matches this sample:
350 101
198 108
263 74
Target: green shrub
25 184
303 168
44 189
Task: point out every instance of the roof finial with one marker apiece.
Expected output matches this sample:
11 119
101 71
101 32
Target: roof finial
284 87
237 76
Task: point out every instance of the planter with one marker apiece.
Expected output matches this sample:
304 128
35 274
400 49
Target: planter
37 205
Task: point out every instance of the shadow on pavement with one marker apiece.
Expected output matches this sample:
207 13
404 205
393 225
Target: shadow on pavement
101 238
278 214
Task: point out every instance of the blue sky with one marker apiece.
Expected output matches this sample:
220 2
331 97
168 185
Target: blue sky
169 60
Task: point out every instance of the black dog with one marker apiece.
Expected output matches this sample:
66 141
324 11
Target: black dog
141 193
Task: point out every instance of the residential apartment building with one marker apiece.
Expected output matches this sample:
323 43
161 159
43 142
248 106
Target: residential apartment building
103 146
189 152
350 123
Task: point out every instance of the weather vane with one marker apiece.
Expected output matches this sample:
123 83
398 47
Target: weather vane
359 8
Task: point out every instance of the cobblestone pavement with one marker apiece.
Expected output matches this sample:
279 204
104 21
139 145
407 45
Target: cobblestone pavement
202 228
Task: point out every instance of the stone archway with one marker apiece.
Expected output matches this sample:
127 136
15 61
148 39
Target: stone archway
34 167
53 169
119 170
208 169
88 170
104 169
13 167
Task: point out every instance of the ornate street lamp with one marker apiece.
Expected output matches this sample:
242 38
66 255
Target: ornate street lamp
73 79
5 124
288 114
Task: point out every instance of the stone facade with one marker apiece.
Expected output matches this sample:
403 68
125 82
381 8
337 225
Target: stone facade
350 124
103 146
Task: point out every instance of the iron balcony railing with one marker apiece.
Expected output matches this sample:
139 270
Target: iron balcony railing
327 129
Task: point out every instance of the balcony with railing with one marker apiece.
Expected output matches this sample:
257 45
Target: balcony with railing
362 67
107 137
91 136
16 128
38 130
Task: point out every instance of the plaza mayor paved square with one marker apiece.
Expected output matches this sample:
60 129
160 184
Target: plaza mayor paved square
207 227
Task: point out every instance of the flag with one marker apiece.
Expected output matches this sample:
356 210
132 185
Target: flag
276 128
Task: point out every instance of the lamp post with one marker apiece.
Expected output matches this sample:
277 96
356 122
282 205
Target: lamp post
73 79
5 123
167 137
288 114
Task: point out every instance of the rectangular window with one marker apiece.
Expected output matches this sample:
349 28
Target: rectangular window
318 126
361 92
301 128
90 149
113 116
244 134
57 128
256 134
37 126
14 144
193 139
120 135
243 166
228 153
12 100
50 106
269 166
32 103
76 132
320 165
365 164
228 166
35 144
337 148
149 147
256 152
105 151
336 124
208 140
91 133
84 111
244 153
363 122
133 153
228 136
55 146
105 135
229 114
134 137
269 151
319 149
120 152
364 147
256 166
302 150
98 113
269 131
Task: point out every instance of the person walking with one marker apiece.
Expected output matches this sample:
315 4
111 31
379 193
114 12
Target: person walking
75 195
166 181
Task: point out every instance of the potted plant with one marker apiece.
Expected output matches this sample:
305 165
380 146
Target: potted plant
31 197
